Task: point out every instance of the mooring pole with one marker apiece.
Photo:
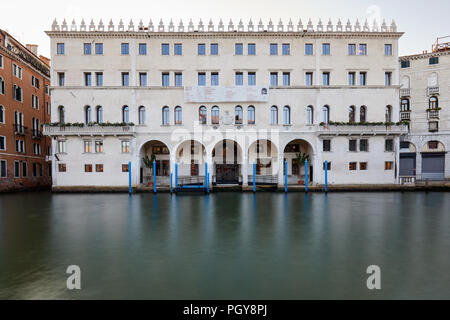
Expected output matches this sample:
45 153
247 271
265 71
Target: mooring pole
326 176
254 172
206 175
176 177
154 176
171 182
285 176
207 184
306 175
129 177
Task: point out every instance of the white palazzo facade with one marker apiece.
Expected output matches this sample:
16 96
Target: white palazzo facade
234 97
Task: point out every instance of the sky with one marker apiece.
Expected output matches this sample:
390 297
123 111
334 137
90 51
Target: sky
422 21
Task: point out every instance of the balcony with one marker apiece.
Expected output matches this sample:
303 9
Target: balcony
433 90
433 114
368 129
405 115
36 134
101 130
19 129
405 92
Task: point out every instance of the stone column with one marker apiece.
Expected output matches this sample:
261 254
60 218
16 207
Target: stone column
245 169
280 168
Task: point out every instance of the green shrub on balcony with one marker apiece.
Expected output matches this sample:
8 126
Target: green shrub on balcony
90 124
331 123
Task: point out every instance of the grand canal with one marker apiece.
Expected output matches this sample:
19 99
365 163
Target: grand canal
225 245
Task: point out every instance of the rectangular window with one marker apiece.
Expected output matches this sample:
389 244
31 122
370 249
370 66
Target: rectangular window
88 168
252 78
363 166
165 49
286 78
238 49
201 51
3 169
352 166
308 49
389 145
274 79
16 169
326 145
61 79
363 49
363 145
352 49
125 48
142 49
405 64
87 79
60 48
34 169
124 167
286 49
125 146
87 48
308 79
99 168
61 167
178 49
87 146
2 143
24 169
98 146
388 165
251 49
214 78
1 61
99 79
328 166
325 49
273 49
362 78
202 79
61 146
17 71
388 49
125 79
178 79
352 145
214 49
351 78
239 78
387 78
99 48
326 78
20 146
143 79
165 79
433 60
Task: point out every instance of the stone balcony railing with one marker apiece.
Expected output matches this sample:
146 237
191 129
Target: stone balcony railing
405 115
433 113
88 130
433 90
405 92
362 129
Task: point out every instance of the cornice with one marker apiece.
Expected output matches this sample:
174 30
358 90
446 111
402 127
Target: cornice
424 55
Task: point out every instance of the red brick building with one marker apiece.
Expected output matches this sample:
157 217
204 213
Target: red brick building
24 108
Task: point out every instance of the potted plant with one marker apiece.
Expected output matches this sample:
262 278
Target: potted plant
148 163
300 159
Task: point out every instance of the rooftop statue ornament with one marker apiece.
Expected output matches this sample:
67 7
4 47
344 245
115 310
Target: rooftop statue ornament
161 26
270 25
120 28
375 26
101 26
300 25
339 25
330 26
201 27
357 26
290 26
140 25
171 26
221 26
210 26
384 27
250 26
280 26
366 27
73 27
191 26
230 26
348 26
64 25
151 26
181 26
320 25
240 26
310 27
393 26
111 25
55 26
92 25
260 25
83 25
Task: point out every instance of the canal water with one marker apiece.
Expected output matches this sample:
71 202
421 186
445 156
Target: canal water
225 245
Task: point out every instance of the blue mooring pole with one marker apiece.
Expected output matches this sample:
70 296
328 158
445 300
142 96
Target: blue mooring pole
154 176
285 176
176 177
206 176
254 172
306 175
326 176
129 177
171 182
207 184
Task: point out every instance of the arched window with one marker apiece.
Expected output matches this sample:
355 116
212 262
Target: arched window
251 115
125 114
309 115
2 86
87 114
273 115
351 114
165 116
362 114
388 114
325 114
99 113
61 114
215 115
202 115
178 115
238 115
2 114
404 105
286 115
433 103
141 115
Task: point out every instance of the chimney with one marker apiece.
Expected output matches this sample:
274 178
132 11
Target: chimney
33 48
